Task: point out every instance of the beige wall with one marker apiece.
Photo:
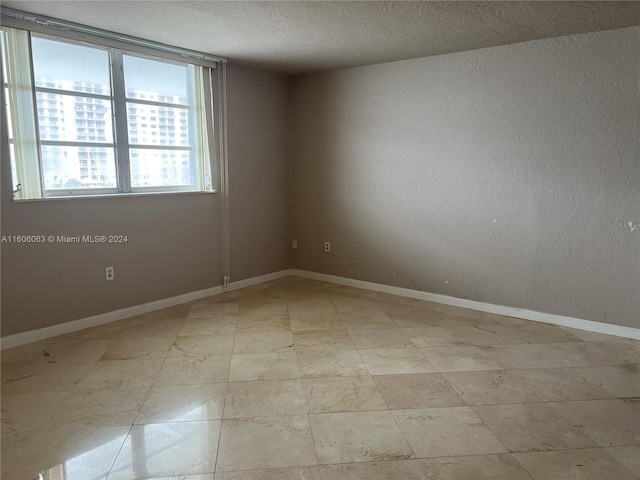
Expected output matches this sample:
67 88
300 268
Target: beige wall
503 175
175 241
258 123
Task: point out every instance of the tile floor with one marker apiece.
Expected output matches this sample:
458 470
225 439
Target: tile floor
297 379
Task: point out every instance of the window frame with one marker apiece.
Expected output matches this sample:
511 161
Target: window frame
75 192
205 180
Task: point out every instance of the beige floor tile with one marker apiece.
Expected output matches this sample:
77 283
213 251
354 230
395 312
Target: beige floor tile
446 431
620 352
105 331
183 403
323 339
590 336
622 381
551 355
262 294
607 422
530 381
560 384
477 467
138 347
264 342
202 346
74 352
375 338
193 370
358 437
464 317
267 398
420 390
264 366
28 411
390 470
373 319
291 473
342 394
531 427
328 363
395 361
315 304
461 359
356 304
11 445
180 448
44 377
628 456
153 328
436 337
105 407
259 324
304 321
137 373
491 387
498 334
422 320
274 442
79 451
278 307
214 325
206 309
586 464
517 386
407 316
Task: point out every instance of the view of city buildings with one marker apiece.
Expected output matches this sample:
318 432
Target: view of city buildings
77 136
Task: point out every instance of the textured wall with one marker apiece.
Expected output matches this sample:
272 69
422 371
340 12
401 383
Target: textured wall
175 241
174 248
502 175
258 122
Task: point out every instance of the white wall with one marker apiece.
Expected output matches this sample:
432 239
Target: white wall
502 175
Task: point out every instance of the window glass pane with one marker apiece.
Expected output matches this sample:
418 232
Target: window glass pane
78 167
74 119
160 168
65 66
156 125
155 80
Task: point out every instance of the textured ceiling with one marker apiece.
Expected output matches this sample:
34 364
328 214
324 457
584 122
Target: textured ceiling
305 36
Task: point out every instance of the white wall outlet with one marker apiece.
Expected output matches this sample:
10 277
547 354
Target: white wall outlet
294 243
109 273
327 247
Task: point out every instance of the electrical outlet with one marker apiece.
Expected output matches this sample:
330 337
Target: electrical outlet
294 243
109 273
327 247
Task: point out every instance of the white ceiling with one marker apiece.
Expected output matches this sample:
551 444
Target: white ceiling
306 36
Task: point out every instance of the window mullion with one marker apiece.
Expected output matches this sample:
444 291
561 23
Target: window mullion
120 122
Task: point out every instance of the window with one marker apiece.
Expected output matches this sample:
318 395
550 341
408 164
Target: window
83 119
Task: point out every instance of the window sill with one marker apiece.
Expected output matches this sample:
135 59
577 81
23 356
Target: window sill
113 195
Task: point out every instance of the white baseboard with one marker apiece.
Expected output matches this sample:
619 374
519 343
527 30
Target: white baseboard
54 330
560 320
68 327
256 280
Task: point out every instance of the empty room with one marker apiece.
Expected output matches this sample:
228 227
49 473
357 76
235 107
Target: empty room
317 240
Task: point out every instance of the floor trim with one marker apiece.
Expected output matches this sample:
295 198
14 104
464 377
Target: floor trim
42 334
31 336
577 323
